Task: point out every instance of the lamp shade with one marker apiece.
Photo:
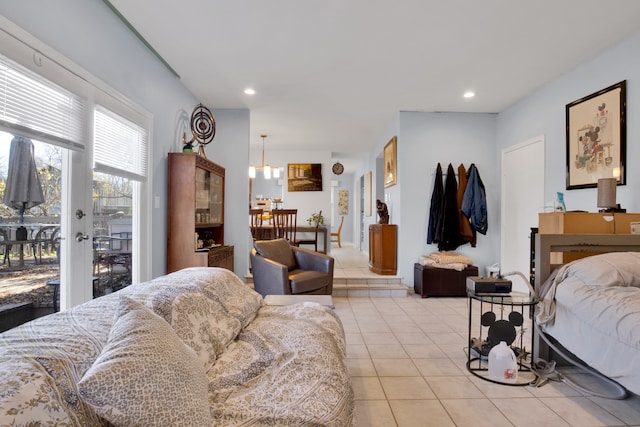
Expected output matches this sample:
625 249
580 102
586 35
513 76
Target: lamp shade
607 192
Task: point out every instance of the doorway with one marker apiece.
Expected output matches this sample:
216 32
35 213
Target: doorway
361 244
522 199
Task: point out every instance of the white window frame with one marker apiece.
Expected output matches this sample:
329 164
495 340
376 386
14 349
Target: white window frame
23 48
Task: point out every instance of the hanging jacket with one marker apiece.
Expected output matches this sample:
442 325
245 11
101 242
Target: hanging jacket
434 231
474 202
450 238
467 233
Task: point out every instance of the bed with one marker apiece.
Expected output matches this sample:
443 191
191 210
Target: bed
592 306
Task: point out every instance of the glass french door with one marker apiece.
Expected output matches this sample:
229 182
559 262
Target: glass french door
113 208
46 248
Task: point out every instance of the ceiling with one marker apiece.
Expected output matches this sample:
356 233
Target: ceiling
332 74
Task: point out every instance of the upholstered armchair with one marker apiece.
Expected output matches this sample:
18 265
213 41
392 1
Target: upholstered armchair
281 269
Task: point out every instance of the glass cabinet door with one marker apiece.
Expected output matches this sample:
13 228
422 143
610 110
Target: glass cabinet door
208 197
215 199
203 189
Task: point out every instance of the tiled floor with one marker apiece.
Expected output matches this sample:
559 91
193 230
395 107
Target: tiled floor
352 277
407 362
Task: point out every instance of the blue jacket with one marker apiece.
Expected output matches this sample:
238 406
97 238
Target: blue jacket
474 202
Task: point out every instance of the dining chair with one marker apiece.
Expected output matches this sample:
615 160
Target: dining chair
313 241
285 222
256 223
337 234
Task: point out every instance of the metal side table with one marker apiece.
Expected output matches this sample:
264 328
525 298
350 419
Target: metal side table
502 317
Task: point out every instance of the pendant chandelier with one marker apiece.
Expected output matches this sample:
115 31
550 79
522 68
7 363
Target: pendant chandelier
267 170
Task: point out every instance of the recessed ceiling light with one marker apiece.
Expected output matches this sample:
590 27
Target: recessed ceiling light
249 91
469 94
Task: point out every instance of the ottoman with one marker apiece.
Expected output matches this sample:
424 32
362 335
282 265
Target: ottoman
441 282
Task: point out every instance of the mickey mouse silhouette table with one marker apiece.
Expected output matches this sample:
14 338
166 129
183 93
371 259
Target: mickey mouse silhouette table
502 319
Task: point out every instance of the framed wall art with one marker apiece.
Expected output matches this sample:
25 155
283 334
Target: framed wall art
597 138
343 202
304 177
390 167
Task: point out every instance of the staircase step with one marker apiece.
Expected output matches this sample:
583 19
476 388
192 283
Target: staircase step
393 290
383 286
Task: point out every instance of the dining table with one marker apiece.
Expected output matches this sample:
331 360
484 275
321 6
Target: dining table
268 232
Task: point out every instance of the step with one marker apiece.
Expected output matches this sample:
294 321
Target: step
382 290
380 286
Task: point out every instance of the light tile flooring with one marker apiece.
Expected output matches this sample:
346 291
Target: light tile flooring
350 262
407 362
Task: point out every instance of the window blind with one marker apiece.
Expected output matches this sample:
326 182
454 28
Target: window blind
32 106
120 147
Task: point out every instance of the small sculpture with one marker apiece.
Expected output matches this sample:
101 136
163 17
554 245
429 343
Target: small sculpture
382 212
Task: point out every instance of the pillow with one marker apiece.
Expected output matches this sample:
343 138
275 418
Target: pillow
225 287
278 250
605 270
145 374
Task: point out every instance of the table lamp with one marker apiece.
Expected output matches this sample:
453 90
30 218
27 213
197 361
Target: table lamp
607 195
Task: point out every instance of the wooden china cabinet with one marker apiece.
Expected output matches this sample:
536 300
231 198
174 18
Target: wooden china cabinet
195 214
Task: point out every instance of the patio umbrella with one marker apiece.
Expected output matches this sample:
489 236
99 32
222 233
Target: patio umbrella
23 189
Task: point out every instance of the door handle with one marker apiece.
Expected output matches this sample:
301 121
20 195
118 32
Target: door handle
80 236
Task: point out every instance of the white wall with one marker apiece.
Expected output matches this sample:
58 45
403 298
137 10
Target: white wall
424 140
230 148
544 113
307 202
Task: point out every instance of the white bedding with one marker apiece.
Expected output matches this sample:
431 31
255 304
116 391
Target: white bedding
593 310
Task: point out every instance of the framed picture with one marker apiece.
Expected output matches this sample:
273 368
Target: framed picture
390 167
343 202
597 138
304 176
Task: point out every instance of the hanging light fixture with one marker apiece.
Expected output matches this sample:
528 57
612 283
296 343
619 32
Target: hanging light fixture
266 169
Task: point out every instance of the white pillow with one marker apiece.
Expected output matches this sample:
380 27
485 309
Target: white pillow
606 270
145 374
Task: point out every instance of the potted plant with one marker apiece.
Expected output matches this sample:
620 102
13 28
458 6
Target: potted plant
315 218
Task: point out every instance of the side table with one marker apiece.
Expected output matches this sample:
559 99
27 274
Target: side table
502 318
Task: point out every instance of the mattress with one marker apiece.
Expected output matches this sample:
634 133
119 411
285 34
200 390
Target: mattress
595 314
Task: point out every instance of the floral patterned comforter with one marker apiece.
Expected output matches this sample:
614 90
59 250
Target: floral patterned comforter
264 365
